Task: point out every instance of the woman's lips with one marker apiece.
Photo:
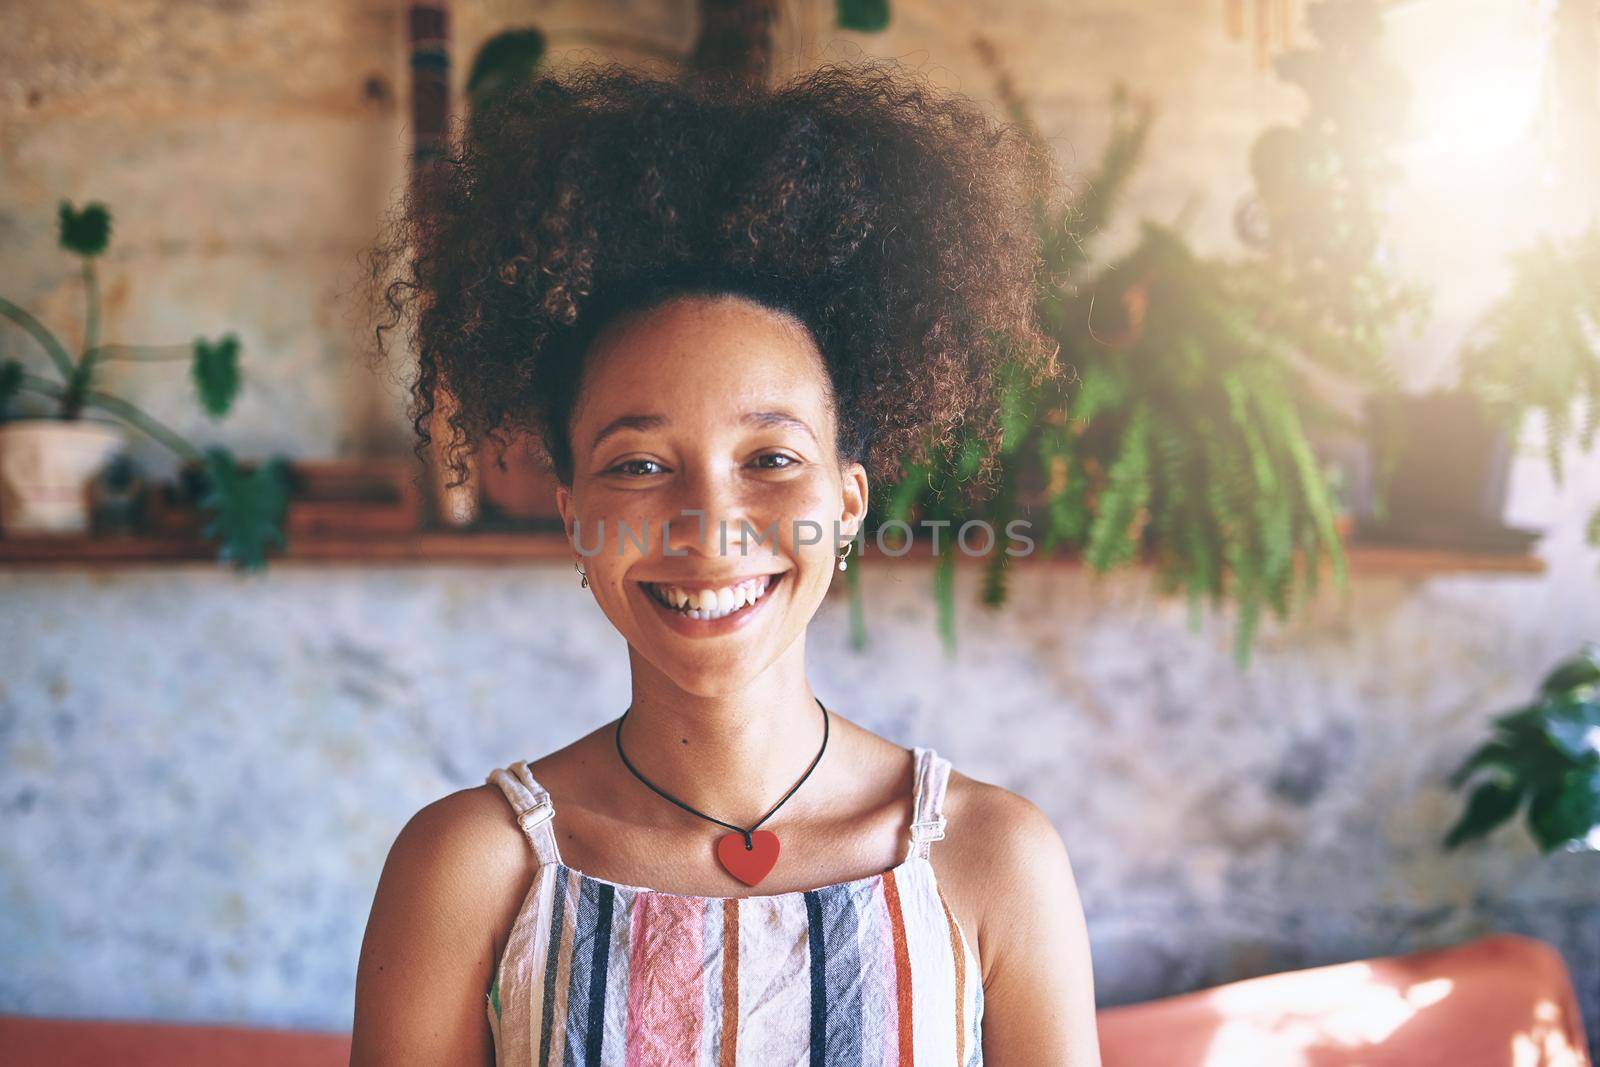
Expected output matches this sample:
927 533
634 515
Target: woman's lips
682 623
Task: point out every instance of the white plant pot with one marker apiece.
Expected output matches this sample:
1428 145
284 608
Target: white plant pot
46 466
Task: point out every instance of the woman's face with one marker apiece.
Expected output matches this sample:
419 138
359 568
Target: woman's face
703 429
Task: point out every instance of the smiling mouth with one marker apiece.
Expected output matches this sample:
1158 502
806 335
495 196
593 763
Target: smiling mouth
709 604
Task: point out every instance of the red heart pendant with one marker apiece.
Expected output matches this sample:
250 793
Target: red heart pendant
752 864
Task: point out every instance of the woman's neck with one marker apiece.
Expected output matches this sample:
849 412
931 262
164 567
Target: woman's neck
733 755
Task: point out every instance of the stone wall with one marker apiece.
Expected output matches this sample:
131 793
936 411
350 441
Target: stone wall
200 773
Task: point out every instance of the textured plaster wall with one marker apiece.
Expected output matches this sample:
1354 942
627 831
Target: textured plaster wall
200 774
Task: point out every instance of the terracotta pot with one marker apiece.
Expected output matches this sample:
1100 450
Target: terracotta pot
46 466
1444 457
1443 468
525 489
363 497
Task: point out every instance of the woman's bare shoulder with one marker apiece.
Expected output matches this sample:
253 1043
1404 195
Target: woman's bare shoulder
471 832
1033 941
990 809
1003 838
450 889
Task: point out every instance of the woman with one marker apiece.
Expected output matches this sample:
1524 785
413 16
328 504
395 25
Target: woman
727 313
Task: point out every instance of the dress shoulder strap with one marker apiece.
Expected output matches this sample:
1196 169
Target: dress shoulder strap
533 809
927 803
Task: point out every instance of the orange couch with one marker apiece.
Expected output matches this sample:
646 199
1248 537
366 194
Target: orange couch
32 1042
1500 1001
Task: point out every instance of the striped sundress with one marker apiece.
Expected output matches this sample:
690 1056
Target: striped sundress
874 971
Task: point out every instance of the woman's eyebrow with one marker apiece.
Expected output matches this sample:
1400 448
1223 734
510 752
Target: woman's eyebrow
765 419
627 422
761 419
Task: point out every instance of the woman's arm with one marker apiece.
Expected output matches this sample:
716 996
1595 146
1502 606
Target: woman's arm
1038 987
448 892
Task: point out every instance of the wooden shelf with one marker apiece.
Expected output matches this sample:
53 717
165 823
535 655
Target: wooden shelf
1368 558
495 547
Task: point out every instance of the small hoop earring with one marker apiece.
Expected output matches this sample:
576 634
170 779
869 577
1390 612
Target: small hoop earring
847 547
585 583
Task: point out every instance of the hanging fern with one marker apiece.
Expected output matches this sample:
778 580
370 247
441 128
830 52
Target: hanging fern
1196 421
1114 534
1538 347
1179 441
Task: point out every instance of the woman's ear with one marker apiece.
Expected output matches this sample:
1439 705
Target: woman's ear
564 506
853 513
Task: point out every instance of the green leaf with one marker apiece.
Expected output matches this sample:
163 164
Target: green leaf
1521 720
249 507
1581 670
216 373
1016 409
1491 804
858 616
1573 726
906 492
971 456
10 382
85 232
944 582
505 61
1112 539
1495 754
1534 349
41 334
995 570
1567 814
866 15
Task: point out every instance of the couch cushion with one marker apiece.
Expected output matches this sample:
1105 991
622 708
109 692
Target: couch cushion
1498 1001
27 1042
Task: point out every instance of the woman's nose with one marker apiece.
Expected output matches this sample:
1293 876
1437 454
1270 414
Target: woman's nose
712 515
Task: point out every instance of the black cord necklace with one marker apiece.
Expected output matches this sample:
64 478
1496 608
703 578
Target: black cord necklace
759 853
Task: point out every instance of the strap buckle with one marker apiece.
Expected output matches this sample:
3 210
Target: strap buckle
536 813
929 830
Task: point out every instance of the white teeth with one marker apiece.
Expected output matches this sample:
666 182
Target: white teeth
709 604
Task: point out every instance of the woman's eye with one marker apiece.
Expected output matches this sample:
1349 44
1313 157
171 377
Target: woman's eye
788 461
628 463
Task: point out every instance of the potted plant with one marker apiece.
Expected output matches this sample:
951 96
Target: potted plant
1436 464
1545 754
1537 348
1441 470
1316 215
1212 430
515 480
1182 442
1189 439
47 463
1321 191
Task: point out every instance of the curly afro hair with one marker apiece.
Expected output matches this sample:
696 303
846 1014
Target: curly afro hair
898 223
